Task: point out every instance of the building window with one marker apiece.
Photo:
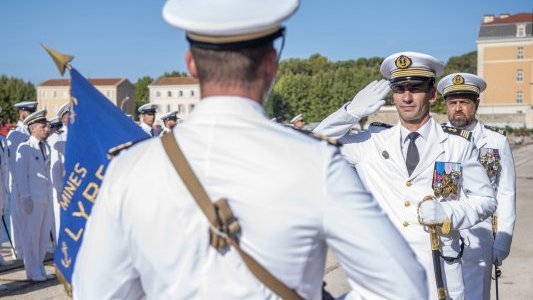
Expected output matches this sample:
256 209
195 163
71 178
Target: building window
108 94
65 94
158 94
180 93
520 54
181 108
191 107
519 75
192 93
54 94
168 107
521 30
169 93
519 97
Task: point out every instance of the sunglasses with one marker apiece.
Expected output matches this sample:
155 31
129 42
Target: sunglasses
400 88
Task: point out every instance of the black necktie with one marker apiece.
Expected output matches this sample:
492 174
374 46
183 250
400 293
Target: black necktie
412 153
42 150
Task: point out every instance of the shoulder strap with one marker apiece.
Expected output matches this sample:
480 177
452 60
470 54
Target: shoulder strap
210 210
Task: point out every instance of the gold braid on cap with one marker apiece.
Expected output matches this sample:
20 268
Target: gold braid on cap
422 72
38 119
461 88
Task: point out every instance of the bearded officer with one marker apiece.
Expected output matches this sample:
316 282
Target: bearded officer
239 154
147 112
35 194
170 120
416 158
461 93
58 142
14 138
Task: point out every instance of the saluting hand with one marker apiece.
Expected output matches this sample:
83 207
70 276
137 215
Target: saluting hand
369 99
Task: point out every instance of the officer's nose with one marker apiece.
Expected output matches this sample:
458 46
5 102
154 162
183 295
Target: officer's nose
407 96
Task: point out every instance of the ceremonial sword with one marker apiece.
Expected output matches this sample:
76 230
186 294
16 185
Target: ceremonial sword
497 271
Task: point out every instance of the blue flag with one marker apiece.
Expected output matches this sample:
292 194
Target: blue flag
96 126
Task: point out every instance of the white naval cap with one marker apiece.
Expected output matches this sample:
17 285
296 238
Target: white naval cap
36 117
461 83
55 121
65 108
411 66
148 108
298 117
26 105
229 24
168 115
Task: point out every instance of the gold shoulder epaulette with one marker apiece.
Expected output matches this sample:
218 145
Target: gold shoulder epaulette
379 124
330 141
458 131
500 131
117 149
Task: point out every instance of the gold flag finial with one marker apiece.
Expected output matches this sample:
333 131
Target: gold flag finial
61 60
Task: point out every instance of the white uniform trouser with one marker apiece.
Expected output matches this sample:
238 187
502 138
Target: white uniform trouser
37 239
477 260
57 219
17 222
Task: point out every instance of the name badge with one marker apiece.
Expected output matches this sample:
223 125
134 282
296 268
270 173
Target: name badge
447 180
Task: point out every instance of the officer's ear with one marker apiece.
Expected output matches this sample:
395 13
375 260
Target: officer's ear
191 64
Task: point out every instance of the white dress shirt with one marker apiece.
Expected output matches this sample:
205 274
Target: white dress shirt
293 195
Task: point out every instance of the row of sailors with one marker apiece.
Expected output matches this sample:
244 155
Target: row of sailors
32 179
32 161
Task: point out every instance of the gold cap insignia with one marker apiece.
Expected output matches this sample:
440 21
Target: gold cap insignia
458 79
403 62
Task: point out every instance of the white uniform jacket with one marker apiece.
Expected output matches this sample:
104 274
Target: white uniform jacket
151 131
293 195
57 142
4 175
504 183
14 139
33 171
378 158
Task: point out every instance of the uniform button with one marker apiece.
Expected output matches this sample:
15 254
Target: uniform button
405 224
407 203
408 183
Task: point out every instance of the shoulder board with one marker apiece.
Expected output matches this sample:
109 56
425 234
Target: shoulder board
330 141
59 131
117 149
457 131
500 131
379 124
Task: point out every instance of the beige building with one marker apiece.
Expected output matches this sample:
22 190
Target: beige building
505 61
175 93
53 93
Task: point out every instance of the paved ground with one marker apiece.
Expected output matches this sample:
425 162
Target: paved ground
516 282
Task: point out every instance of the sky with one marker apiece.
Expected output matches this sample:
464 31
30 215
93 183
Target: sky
119 38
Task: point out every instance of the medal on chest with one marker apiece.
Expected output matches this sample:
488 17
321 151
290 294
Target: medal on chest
490 160
446 180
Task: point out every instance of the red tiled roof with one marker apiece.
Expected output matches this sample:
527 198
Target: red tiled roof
518 18
94 81
174 81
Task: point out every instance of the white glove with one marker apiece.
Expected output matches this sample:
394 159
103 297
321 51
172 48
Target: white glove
27 204
498 256
369 99
431 212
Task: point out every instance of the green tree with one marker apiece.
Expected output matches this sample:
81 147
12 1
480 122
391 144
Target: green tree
175 74
142 92
13 90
